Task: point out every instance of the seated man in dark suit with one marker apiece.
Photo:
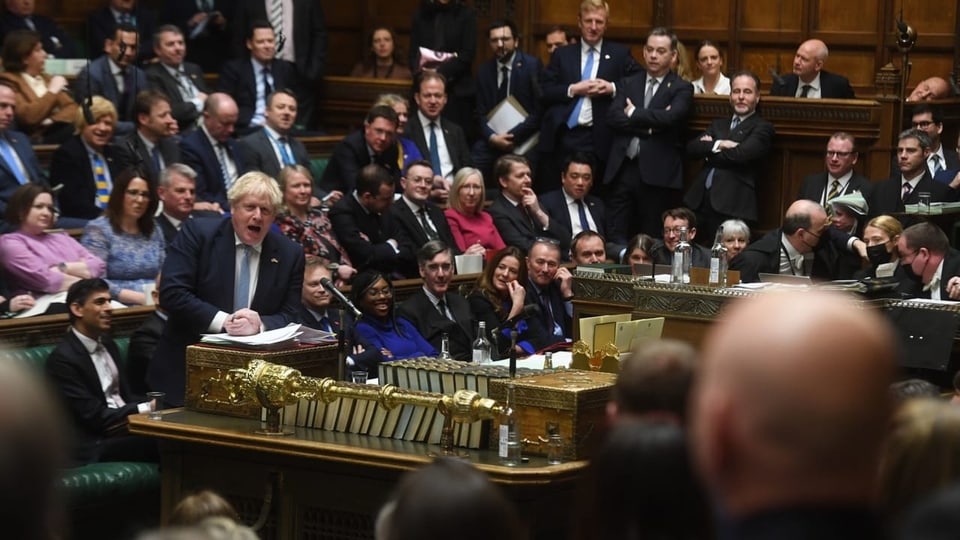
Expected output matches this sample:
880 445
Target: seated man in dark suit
417 220
435 310
115 76
573 207
375 143
315 311
271 147
154 144
177 191
663 250
808 79
551 287
438 139
24 167
87 371
512 73
839 178
85 164
364 226
516 211
251 80
182 82
21 15
587 247
926 257
101 22
212 152
232 275
806 245
929 119
912 178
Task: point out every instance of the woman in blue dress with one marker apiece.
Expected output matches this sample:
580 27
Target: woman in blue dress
126 237
394 338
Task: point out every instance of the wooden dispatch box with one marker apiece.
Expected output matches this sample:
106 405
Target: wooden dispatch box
207 363
576 400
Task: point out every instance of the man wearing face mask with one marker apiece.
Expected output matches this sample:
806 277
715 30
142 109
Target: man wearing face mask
796 248
926 256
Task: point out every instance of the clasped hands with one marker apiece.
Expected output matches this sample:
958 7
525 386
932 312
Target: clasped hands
243 322
592 87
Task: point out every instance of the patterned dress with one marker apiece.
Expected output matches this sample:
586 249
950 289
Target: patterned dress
133 260
315 234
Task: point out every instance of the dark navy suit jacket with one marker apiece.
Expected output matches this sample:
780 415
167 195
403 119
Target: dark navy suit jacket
555 205
524 87
886 196
564 70
734 190
832 86
659 127
160 79
421 313
102 25
73 374
258 154
238 79
198 282
55 41
814 185
410 235
97 80
364 235
517 230
349 156
71 167
132 152
198 153
8 180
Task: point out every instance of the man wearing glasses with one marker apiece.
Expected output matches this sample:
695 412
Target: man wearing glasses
796 249
942 163
673 219
839 179
926 257
417 220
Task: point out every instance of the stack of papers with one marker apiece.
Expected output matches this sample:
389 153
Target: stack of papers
271 339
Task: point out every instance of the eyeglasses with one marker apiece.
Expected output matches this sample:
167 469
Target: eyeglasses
674 230
135 193
924 124
385 292
834 153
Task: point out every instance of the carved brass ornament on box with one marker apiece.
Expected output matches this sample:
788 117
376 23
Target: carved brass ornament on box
274 386
606 358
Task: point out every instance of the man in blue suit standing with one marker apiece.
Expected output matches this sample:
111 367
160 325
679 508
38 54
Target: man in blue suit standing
234 276
578 87
512 73
115 76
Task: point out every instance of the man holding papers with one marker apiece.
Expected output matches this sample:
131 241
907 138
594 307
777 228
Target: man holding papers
234 276
506 127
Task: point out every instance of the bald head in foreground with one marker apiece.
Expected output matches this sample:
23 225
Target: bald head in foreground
788 414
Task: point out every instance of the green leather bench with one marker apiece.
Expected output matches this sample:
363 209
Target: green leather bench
105 500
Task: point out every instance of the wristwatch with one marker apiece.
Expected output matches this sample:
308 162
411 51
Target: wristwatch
62 267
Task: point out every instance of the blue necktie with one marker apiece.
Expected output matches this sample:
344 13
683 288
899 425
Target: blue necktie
587 71
282 144
584 224
155 155
434 150
325 324
8 155
241 292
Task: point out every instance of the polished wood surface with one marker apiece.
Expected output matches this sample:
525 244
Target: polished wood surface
328 484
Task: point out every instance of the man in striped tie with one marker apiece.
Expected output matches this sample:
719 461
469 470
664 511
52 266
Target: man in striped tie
839 178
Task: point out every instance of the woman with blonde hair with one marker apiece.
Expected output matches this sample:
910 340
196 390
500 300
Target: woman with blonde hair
471 225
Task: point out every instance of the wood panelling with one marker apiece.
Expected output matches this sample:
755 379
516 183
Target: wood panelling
690 16
930 17
844 17
771 15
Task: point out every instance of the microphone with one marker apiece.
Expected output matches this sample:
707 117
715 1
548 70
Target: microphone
529 310
776 77
329 286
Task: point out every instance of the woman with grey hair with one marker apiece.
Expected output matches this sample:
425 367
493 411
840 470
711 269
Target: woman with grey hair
735 237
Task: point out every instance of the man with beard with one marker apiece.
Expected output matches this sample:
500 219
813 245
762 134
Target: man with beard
796 248
272 148
513 73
